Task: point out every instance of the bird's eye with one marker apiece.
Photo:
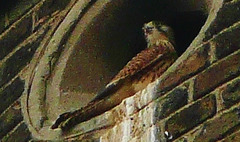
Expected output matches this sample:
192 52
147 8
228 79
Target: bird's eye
149 28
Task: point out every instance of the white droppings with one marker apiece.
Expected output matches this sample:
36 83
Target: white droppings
126 127
130 106
168 135
153 134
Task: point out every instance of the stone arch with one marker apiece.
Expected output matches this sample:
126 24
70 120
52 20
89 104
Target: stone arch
83 46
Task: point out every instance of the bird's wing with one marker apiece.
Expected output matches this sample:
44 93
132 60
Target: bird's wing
142 60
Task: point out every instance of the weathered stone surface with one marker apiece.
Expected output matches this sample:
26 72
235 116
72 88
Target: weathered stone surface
129 108
191 116
217 74
19 134
219 126
11 94
151 135
223 18
133 126
131 118
138 123
104 121
10 118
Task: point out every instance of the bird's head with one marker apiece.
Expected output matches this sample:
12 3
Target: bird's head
155 31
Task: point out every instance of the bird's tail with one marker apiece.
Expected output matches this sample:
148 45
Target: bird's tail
69 119
61 119
96 107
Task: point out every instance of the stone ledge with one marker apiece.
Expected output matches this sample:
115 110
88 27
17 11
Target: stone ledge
137 123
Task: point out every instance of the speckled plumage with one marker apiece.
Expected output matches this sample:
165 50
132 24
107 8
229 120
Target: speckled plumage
142 60
144 68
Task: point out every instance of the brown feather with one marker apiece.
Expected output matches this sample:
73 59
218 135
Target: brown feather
143 59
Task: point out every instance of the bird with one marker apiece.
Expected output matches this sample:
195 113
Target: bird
144 68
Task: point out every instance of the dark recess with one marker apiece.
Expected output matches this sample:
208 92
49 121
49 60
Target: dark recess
116 34
186 24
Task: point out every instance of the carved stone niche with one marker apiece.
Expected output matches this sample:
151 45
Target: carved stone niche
94 41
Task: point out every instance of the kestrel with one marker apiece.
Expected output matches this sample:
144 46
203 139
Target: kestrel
144 68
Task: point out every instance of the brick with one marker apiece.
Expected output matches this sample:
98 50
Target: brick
11 94
191 63
16 12
20 59
227 15
235 137
172 102
19 134
220 72
227 42
230 93
191 116
220 126
22 29
10 119
14 37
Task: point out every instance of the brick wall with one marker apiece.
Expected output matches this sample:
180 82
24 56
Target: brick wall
197 99
29 23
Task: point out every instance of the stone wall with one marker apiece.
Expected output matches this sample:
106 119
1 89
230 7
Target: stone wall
196 99
30 22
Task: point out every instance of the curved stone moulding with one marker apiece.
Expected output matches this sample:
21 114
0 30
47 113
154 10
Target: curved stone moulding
34 96
84 65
